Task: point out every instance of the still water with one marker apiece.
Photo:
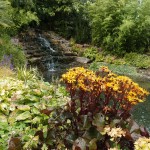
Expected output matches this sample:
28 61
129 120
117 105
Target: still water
141 112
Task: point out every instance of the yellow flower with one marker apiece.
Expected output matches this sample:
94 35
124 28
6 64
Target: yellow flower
142 143
116 133
117 87
113 132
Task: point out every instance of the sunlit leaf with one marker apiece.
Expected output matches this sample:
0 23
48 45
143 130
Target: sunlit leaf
23 116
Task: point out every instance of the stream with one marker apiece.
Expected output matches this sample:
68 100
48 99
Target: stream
141 112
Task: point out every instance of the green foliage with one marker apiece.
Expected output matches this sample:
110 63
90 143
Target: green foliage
25 74
5 14
117 68
24 13
91 53
138 60
93 119
25 110
7 48
121 26
68 17
22 17
37 115
133 59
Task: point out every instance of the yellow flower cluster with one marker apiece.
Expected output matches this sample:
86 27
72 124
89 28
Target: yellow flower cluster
114 133
120 88
142 143
83 79
123 88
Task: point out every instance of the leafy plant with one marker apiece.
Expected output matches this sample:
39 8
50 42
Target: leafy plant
120 26
37 115
138 60
91 53
119 69
100 109
25 109
7 48
25 74
5 17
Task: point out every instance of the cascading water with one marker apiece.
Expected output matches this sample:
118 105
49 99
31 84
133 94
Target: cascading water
51 65
45 43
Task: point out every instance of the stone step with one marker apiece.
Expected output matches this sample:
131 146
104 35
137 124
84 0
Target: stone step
36 55
35 51
35 60
60 59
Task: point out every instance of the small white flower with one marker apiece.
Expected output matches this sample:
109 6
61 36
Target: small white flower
19 92
2 92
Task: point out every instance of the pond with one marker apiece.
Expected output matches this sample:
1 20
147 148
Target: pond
141 112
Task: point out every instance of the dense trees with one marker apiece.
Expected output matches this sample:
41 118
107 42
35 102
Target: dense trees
5 16
121 25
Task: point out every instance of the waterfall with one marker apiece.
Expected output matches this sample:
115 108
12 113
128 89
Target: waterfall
45 43
51 65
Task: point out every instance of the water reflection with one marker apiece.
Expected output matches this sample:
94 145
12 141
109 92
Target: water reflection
141 112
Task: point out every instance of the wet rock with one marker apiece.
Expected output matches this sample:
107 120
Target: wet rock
83 60
145 73
69 54
15 41
35 60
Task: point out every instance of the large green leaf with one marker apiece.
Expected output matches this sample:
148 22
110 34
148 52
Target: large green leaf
23 116
24 107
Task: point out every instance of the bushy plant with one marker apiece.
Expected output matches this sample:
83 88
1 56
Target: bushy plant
138 60
121 26
100 109
122 69
7 48
91 53
25 74
129 59
6 72
24 13
37 115
5 14
25 109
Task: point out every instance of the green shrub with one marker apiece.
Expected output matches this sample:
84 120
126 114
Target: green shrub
37 115
138 60
121 26
91 53
98 116
130 59
119 69
25 74
7 48
5 14
100 57
25 110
